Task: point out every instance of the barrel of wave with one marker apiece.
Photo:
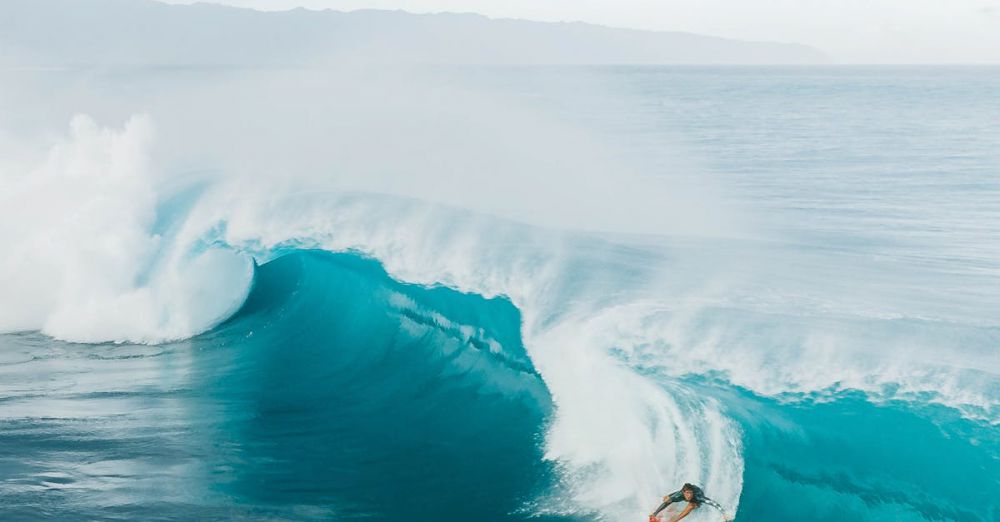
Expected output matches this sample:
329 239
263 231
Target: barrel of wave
375 397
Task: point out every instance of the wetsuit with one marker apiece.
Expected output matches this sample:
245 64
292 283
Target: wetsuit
698 499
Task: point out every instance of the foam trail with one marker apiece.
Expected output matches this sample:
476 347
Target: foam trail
778 357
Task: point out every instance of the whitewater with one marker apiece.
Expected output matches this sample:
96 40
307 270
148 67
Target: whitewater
545 293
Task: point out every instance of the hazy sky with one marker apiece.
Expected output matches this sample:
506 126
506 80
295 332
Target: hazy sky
853 31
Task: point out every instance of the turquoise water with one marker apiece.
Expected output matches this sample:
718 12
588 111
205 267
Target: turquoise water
810 333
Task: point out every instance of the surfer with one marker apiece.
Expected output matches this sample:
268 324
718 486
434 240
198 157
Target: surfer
694 496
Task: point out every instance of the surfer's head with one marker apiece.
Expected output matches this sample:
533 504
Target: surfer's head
688 491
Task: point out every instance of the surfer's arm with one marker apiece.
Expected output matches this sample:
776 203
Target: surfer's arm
666 502
716 505
683 514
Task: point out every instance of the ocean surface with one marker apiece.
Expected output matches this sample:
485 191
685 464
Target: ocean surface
545 293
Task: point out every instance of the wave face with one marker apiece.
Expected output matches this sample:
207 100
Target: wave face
375 397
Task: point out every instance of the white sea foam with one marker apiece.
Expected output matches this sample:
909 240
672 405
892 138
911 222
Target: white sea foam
81 260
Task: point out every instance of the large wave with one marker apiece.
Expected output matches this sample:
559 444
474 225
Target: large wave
387 350
614 439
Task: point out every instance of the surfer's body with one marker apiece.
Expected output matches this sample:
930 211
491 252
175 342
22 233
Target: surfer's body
691 494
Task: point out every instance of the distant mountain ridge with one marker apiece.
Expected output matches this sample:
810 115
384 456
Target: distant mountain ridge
145 32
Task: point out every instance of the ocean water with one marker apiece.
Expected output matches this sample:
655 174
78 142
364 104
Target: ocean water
547 293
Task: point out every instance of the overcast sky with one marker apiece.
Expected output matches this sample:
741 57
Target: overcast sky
851 31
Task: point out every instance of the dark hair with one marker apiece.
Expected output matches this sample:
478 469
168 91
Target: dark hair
694 493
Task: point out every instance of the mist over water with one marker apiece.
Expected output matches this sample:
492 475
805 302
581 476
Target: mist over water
598 283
